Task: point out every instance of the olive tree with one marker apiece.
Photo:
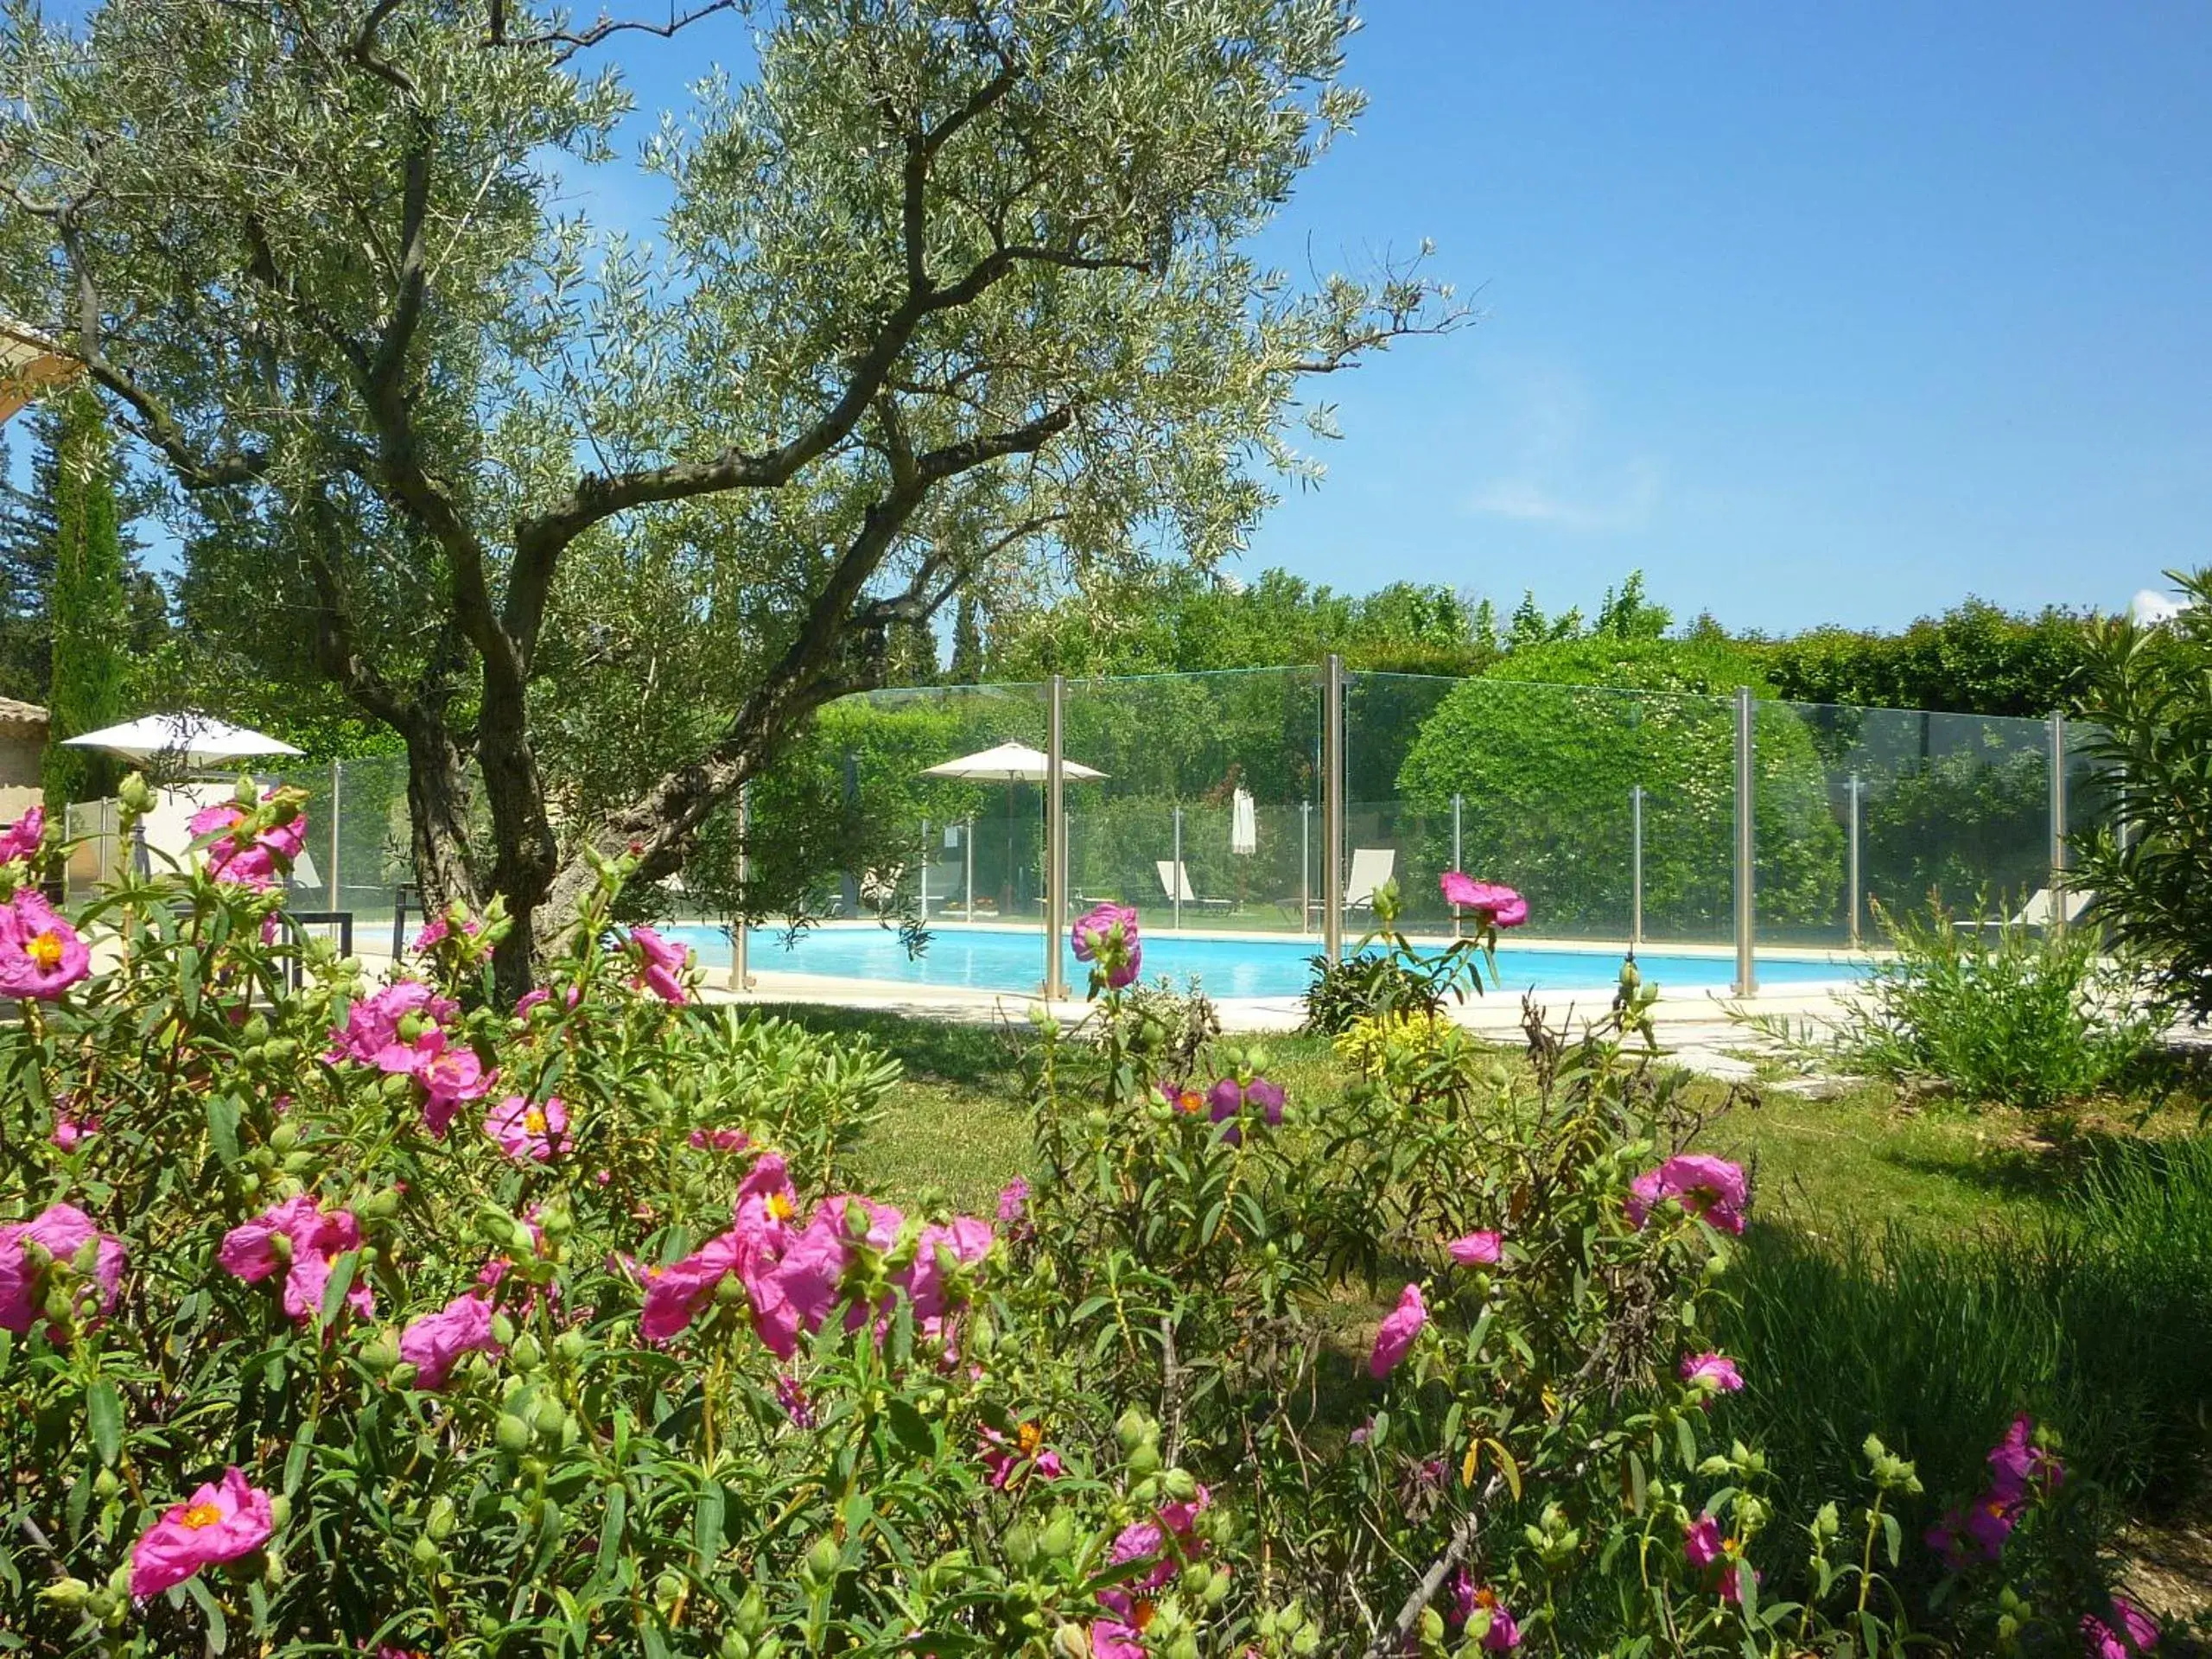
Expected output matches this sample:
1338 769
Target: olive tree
941 284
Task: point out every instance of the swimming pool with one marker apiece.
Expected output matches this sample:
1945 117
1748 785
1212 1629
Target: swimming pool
1011 959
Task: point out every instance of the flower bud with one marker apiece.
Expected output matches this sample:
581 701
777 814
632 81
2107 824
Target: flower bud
820 1567
512 1432
1020 1544
752 1617
1058 1538
1178 1484
67 1593
526 1353
550 1417
426 1555
503 1330
1132 1428
572 1344
735 1646
284 1137
441 1519
1069 1642
1145 1460
1432 1625
668 1590
280 1511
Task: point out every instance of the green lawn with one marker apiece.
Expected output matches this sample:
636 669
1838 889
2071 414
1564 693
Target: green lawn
958 1126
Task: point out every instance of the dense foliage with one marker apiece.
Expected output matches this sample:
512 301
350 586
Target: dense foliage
2149 863
1975 659
1544 751
356 1315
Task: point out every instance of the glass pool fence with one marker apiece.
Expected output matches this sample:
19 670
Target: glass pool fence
1260 811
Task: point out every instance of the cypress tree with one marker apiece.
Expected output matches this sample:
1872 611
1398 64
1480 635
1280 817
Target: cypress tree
967 667
88 604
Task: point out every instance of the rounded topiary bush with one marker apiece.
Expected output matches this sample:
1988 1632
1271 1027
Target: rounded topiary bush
1544 751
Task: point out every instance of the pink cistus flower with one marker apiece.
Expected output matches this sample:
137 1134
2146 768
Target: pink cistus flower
2019 1472
935 1281
1702 1542
1167 1541
527 1131
434 1343
449 1076
679 1292
1477 1249
439 929
1501 903
660 963
1013 1210
2130 1631
1228 1098
371 1034
314 1238
70 1133
2018 1468
1107 936
1009 1461
720 1140
1709 1187
1464 1598
40 955
1395 1338
21 839
222 1520
1712 1374
244 859
58 1235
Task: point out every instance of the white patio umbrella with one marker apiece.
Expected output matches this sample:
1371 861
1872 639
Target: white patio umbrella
193 741
1010 764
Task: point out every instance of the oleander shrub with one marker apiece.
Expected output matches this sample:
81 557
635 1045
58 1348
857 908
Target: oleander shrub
379 1317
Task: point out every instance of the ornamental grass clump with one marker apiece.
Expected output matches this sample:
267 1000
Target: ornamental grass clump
367 1314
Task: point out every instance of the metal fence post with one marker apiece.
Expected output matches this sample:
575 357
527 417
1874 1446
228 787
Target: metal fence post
741 974
1305 864
1746 844
968 867
1856 902
925 877
1636 866
1458 861
330 879
2058 902
1332 810
1056 895
1176 897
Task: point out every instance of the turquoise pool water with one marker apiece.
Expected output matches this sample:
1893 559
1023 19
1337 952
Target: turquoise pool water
1011 959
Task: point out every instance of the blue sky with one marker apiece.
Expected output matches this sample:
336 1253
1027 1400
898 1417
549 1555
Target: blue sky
1814 314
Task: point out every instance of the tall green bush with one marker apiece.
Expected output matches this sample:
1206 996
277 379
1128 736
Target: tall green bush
2150 695
1544 761
90 608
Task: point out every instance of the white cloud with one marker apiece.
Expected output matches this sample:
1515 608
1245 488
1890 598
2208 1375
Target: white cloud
1553 477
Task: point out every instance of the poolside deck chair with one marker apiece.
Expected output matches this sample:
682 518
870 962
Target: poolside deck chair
1371 867
2040 911
1175 882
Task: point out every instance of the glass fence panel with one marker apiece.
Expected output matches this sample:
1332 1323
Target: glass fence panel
1207 816
1198 799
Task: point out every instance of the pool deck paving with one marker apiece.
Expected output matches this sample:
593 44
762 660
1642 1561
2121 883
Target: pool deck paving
1694 1028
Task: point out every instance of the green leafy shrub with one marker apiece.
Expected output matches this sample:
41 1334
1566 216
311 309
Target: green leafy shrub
1543 762
381 1317
1993 1011
2150 690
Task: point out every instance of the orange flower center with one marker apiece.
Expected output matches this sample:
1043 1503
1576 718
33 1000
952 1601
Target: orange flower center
1486 1598
1029 1437
781 1207
202 1515
45 950
534 1121
1141 1616
1189 1100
